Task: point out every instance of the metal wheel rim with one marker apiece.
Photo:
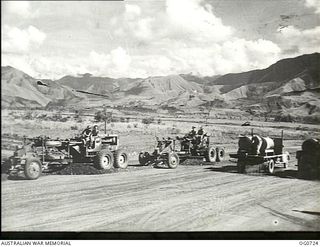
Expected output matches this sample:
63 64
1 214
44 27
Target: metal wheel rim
106 160
212 153
34 169
173 160
122 159
271 166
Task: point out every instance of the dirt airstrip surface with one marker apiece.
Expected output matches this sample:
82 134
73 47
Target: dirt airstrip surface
189 198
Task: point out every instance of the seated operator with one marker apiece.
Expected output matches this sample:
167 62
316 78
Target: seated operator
86 134
94 134
200 135
95 130
200 131
192 133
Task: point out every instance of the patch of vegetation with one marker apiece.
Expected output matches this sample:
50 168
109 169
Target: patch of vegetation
147 120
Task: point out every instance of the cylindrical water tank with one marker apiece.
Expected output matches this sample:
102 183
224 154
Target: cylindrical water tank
256 144
244 143
311 145
260 144
267 143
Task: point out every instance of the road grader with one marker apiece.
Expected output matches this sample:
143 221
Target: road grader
171 152
265 152
43 154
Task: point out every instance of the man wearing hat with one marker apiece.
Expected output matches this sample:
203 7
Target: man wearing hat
86 134
94 134
192 133
95 130
200 131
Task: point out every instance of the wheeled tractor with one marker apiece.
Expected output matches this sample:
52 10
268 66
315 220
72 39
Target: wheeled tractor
42 154
173 151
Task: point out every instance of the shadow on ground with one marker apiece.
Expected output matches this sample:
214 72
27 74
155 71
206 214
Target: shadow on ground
279 172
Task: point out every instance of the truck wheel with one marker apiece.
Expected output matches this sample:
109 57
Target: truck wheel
241 166
210 154
32 168
120 159
173 160
270 167
220 154
286 158
103 160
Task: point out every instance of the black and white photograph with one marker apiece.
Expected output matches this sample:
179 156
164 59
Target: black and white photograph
160 116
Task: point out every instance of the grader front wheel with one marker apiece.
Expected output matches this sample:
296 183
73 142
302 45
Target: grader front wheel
33 168
144 158
173 160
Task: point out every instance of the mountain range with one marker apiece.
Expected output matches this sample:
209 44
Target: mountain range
290 86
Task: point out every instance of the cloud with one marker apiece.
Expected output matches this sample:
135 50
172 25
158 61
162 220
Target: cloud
188 37
17 40
132 11
20 8
196 20
179 37
296 41
120 59
313 4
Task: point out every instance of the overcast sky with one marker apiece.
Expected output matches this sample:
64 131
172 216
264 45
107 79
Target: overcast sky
147 38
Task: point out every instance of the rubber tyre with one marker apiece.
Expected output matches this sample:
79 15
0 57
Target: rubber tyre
120 159
173 160
220 154
103 160
286 164
32 168
241 166
270 167
144 158
210 154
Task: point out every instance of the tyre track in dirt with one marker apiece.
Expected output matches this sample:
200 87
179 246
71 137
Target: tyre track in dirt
190 198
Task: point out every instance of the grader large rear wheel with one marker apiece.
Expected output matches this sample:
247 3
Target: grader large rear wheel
220 154
210 154
33 168
173 160
103 160
120 159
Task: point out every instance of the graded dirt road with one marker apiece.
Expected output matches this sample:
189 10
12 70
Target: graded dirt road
189 198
